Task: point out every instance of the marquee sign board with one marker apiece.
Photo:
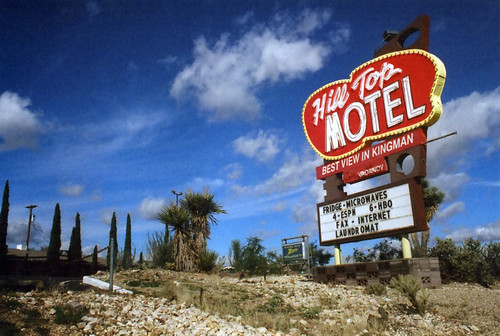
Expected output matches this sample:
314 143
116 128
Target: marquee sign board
387 96
394 209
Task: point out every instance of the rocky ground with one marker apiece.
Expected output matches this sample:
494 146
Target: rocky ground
170 303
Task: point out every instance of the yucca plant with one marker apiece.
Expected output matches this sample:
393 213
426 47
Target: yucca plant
203 209
178 218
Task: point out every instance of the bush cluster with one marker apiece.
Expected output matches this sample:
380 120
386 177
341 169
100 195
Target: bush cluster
160 249
209 262
469 262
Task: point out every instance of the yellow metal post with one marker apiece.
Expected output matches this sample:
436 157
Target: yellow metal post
406 247
337 255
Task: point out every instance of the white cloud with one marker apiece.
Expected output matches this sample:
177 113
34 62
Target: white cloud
279 207
487 183
150 207
451 184
490 232
107 215
96 196
168 60
19 127
294 172
225 76
264 234
262 146
473 117
18 231
124 130
310 20
305 210
245 18
71 189
200 183
340 37
233 171
450 210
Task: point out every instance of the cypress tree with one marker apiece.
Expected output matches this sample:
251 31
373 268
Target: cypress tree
95 262
112 235
75 244
4 222
127 252
55 239
141 259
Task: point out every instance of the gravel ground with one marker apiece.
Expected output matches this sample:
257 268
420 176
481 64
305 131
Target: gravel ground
169 303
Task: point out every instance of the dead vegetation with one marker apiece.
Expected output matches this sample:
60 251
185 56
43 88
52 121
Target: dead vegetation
288 305
285 304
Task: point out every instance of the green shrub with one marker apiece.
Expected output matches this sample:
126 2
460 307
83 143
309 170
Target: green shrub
375 289
274 304
445 250
208 261
160 249
378 324
470 262
493 259
311 313
411 287
69 314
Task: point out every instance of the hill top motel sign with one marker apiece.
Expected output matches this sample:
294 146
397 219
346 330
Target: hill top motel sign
366 126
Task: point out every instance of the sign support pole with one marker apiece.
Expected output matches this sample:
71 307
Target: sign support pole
406 247
337 254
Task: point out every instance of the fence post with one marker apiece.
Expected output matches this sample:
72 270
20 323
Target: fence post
111 263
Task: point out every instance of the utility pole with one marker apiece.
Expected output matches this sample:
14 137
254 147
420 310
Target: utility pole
177 196
31 207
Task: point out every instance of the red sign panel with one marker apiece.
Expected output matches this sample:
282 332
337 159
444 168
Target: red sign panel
386 96
370 162
366 170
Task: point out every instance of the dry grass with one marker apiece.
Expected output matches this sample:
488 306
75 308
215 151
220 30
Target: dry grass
471 304
269 304
255 302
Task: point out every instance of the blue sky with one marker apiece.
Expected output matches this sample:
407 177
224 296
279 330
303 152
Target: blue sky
109 105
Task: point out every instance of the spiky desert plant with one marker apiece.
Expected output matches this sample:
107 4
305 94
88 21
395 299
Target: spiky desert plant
411 287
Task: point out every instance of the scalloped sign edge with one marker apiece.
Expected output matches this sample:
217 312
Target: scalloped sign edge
434 99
